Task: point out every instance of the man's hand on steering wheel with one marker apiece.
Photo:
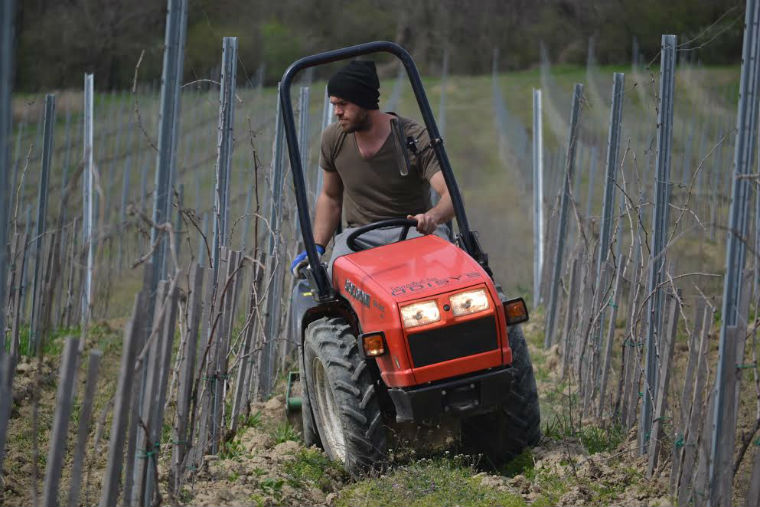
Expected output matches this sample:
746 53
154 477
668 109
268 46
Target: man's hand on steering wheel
426 224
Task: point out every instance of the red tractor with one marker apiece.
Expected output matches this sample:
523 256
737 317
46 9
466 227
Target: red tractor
412 331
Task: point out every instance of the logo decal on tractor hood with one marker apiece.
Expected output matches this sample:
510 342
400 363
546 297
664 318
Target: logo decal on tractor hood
431 283
356 293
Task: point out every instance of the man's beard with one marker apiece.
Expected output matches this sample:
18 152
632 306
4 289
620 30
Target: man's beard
360 124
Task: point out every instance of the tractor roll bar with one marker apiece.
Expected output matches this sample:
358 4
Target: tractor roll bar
319 274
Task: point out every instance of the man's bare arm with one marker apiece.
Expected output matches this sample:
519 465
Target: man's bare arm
441 212
328 208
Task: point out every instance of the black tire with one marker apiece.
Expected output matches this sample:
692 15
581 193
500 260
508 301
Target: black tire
343 397
503 434
310 435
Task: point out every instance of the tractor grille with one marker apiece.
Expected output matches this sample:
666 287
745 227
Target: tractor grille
460 340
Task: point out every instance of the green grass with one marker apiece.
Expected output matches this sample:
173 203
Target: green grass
521 465
284 432
552 488
250 421
427 482
105 338
311 467
166 432
272 487
231 449
602 491
606 492
595 439
51 347
100 335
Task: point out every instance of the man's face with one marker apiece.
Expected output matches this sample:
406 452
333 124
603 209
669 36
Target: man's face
351 117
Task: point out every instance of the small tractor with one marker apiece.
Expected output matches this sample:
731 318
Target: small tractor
413 331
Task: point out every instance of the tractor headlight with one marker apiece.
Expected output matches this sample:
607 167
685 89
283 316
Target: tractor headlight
472 301
419 314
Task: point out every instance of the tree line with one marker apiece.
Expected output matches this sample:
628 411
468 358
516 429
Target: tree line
58 40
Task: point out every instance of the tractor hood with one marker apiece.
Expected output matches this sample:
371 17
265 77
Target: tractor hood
378 281
413 268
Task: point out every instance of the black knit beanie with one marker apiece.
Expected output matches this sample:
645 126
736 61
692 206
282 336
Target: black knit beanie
356 82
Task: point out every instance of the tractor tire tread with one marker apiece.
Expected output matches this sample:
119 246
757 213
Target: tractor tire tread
356 415
332 341
358 371
347 388
369 394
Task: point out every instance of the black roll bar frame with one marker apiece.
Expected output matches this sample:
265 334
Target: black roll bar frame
317 272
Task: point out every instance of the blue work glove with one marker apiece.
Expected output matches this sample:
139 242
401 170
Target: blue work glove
302 260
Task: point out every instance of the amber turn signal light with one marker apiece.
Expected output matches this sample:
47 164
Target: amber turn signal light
373 344
516 311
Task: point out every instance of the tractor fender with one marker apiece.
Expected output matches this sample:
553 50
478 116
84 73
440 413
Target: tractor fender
304 310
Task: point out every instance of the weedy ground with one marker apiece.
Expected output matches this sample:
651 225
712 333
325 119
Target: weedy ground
574 464
267 464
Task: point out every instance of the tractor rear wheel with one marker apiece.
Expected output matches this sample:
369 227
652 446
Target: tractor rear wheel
342 397
503 434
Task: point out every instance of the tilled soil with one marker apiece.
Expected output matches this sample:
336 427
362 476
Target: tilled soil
31 379
262 474
265 464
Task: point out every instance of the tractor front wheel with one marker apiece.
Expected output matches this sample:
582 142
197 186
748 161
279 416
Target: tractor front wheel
503 434
342 397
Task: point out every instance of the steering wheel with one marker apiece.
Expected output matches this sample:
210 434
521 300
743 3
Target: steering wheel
406 223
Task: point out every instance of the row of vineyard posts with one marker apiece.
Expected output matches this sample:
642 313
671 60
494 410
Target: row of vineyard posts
207 329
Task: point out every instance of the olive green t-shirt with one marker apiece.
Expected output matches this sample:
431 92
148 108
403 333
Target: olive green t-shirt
373 188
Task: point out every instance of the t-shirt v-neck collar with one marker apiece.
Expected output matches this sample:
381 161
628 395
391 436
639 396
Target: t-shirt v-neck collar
382 146
374 155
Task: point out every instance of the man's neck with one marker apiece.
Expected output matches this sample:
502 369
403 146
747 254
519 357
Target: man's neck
378 129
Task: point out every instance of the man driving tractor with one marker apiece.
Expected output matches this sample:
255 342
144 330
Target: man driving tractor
362 176
401 331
